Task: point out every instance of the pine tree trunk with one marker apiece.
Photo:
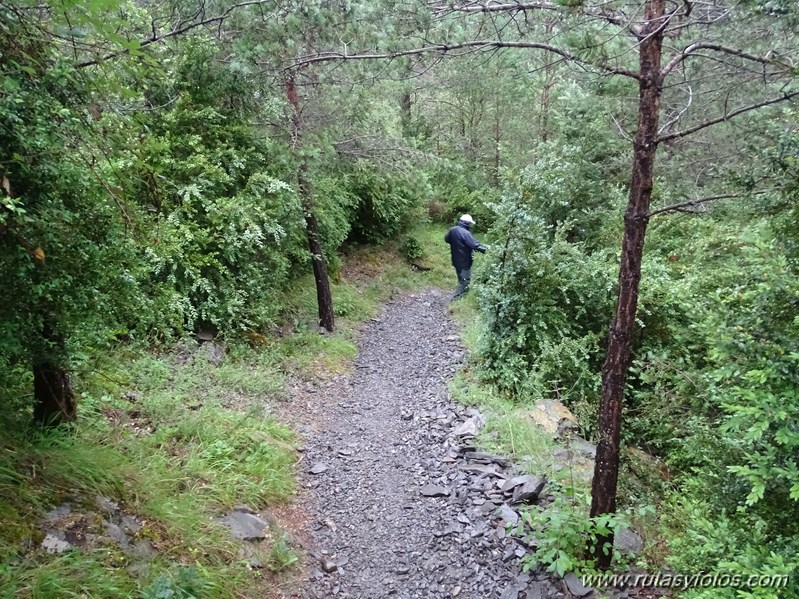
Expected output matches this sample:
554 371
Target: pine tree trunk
324 297
617 358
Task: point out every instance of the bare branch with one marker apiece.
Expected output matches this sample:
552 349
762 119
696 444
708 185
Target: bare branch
673 121
682 207
177 31
729 115
601 12
472 44
688 51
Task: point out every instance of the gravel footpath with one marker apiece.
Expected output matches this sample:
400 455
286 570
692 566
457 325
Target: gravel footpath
399 504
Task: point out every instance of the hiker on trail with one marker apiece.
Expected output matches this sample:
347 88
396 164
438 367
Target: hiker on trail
462 245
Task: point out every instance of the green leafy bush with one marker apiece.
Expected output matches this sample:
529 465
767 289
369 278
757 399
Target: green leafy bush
564 535
411 248
386 203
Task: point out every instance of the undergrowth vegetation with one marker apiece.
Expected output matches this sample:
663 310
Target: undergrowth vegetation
178 439
712 392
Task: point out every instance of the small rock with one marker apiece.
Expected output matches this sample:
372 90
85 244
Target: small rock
514 482
488 469
456 591
204 335
318 468
510 592
529 491
581 446
142 549
52 544
62 511
434 491
132 396
245 527
116 533
575 585
328 565
508 515
535 591
553 417
628 541
105 504
487 458
468 428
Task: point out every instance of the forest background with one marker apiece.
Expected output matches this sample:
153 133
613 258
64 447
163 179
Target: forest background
181 168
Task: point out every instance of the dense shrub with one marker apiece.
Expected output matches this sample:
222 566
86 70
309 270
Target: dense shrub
385 203
546 289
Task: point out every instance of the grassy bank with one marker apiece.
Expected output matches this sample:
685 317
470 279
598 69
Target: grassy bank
175 440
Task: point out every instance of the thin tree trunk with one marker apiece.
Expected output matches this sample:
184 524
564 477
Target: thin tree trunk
617 358
406 102
324 297
54 401
549 83
497 137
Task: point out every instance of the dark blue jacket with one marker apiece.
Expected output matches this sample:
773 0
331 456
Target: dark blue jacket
462 245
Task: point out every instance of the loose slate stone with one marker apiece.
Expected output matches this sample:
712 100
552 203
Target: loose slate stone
508 515
318 468
529 491
246 527
468 428
575 585
510 592
434 491
328 565
583 447
487 458
480 469
516 481
535 591
52 544
628 541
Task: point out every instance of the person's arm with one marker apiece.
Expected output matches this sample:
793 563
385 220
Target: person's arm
474 244
446 236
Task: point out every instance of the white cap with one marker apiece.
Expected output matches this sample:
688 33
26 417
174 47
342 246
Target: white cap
467 218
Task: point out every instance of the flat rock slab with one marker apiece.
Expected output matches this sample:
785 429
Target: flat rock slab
434 491
245 526
628 541
53 544
318 468
575 585
554 417
529 491
487 458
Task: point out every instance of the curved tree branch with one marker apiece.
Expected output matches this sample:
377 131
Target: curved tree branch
728 115
183 27
699 201
473 44
689 50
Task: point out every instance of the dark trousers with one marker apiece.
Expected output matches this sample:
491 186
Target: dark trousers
464 276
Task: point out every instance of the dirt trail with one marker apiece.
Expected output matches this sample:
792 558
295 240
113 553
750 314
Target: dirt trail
396 508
